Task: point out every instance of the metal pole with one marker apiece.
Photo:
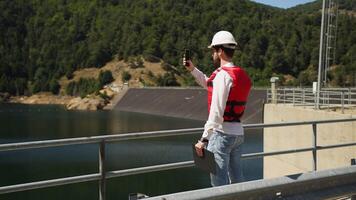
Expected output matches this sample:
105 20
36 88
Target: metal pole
315 97
321 52
328 100
102 181
323 98
328 39
342 101
314 148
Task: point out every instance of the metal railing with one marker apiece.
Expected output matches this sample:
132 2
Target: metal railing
329 97
102 175
318 185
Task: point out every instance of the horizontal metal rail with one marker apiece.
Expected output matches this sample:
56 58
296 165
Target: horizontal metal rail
273 153
336 146
144 135
270 125
49 183
312 185
142 170
141 135
97 139
92 177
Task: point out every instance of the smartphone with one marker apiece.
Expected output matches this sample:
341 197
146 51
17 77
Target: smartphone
187 56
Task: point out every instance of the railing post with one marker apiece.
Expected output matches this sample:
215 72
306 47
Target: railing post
328 94
102 182
342 101
315 101
314 147
293 97
323 98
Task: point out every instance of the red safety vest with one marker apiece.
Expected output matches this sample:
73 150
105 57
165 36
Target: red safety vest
239 91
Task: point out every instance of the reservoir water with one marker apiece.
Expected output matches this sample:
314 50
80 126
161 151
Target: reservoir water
20 123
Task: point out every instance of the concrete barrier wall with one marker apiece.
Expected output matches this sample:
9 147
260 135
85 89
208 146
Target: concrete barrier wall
190 103
172 102
301 136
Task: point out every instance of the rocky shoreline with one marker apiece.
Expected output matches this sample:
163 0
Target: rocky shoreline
87 103
41 98
91 102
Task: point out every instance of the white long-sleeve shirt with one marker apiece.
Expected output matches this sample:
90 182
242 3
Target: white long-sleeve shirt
222 84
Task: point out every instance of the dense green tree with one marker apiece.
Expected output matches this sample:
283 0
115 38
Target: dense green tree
168 79
54 86
105 77
126 76
40 41
87 86
71 88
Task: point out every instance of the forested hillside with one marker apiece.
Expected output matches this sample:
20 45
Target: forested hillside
41 41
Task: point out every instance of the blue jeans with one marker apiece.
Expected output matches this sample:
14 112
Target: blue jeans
227 152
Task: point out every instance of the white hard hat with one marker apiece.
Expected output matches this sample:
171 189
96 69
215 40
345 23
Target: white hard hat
223 38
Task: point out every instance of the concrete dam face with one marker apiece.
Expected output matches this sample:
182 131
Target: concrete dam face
190 103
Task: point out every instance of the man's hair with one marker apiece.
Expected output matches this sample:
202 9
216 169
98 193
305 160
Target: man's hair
229 52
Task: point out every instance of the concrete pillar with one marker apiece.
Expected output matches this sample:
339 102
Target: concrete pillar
273 81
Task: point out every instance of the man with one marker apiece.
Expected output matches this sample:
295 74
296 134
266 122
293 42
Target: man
228 88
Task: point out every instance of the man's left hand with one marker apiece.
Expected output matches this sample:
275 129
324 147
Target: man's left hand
199 148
